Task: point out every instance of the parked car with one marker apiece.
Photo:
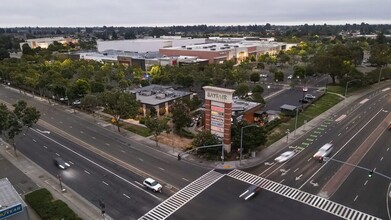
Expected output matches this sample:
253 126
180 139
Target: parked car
250 192
152 184
284 157
60 163
76 102
309 96
305 89
290 76
304 100
263 75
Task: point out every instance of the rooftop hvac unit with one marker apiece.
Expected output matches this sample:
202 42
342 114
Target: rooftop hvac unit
160 96
189 48
212 48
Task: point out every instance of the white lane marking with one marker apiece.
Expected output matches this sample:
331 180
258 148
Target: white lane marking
365 182
388 149
140 159
138 183
386 89
282 180
100 166
57 154
309 159
85 171
185 179
34 140
339 134
105 183
122 151
107 144
71 162
126 195
45 147
355 198
94 138
381 158
312 176
161 168
296 170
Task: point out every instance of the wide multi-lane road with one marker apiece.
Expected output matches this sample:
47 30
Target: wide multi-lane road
358 134
107 166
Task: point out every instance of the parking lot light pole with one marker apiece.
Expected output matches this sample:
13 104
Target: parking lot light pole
241 140
381 69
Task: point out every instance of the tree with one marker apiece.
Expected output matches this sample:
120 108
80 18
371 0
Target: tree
180 116
279 76
242 90
206 138
4 54
254 77
157 125
253 137
120 105
12 123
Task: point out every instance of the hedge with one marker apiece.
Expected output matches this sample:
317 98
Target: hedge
42 202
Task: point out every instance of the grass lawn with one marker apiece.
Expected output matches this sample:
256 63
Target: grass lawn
315 109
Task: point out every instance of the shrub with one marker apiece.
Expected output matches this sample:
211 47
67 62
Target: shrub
42 202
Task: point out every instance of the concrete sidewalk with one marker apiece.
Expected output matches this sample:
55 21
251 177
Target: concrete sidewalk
43 179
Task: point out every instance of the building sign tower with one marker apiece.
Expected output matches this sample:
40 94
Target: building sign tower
218 113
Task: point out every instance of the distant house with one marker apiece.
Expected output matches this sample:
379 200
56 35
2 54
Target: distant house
289 110
45 42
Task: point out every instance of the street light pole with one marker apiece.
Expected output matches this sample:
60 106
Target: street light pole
241 140
381 69
297 113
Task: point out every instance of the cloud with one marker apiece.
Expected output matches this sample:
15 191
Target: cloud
182 12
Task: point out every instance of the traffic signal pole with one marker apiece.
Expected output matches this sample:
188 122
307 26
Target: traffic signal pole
370 171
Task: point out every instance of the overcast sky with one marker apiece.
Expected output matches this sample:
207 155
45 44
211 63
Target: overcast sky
81 13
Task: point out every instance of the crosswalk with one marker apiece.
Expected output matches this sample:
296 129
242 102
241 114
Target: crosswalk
179 199
298 195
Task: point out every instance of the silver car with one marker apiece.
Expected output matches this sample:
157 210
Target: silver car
284 157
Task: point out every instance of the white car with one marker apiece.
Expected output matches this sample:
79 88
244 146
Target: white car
309 96
305 89
290 77
152 184
284 157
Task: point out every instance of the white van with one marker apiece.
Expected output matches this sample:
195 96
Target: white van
324 151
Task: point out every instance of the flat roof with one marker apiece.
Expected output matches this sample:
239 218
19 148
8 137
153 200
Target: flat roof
157 94
8 195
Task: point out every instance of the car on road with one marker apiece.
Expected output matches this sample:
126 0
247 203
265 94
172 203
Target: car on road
305 89
284 157
250 192
290 76
76 102
152 184
324 151
309 96
263 75
60 163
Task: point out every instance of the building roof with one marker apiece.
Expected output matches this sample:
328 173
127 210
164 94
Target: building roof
8 195
157 94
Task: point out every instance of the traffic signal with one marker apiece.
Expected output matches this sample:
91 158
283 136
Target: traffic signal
320 159
370 173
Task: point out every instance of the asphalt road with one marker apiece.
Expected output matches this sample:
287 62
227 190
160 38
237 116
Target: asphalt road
346 130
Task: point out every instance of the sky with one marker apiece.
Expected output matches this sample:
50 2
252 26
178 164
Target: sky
127 13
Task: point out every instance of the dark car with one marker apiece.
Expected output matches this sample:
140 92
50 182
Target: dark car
304 100
250 192
389 126
60 163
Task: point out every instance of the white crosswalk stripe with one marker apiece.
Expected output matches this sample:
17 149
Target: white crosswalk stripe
301 196
179 199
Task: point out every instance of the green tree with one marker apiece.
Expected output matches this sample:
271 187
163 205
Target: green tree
181 116
254 77
157 125
242 90
206 138
12 122
253 137
120 105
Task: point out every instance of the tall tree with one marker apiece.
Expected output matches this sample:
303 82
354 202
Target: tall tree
120 105
157 125
180 116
